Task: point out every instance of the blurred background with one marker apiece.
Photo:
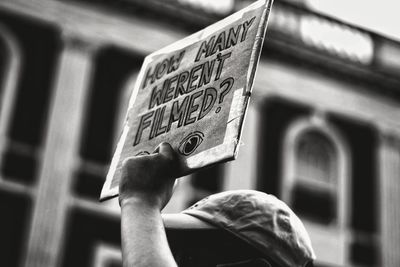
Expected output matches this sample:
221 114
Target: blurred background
322 131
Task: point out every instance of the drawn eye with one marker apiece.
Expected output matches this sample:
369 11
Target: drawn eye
189 144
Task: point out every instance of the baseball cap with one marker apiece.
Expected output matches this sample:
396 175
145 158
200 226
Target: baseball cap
259 219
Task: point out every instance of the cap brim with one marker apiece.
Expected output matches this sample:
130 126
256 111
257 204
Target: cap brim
181 221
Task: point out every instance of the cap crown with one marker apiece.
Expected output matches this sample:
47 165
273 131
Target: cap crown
260 219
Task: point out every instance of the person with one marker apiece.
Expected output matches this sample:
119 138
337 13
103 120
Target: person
267 232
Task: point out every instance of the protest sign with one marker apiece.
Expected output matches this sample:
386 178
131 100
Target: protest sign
194 94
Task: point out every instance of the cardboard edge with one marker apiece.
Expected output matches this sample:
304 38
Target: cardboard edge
114 163
209 30
236 118
257 47
224 152
111 193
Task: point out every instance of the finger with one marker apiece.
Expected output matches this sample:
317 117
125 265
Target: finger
127 162
157 149
166 150
176 184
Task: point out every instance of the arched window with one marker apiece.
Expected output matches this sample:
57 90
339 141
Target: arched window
316 171
316 159
10 62
10 58
315 167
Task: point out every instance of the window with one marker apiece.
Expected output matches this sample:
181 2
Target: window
108 101
33 52
3 65
86 234
316 158
28 55
15 210
10 58
278 115
364 216
314 170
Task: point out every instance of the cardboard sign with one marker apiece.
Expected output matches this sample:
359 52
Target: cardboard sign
194 93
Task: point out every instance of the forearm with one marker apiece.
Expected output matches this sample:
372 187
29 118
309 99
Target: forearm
144 242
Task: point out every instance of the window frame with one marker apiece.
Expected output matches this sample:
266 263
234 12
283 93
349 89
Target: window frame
293 134
8 90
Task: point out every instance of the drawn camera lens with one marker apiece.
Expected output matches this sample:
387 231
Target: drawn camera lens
189 144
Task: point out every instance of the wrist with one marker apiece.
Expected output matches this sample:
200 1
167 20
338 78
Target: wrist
142 202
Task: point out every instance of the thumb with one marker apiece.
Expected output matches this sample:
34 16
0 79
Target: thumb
180 167
166 150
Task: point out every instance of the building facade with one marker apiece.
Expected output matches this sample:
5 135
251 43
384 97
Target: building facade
322 131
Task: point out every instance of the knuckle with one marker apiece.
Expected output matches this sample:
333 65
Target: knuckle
127 162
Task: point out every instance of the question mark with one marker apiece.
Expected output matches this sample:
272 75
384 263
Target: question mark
228 83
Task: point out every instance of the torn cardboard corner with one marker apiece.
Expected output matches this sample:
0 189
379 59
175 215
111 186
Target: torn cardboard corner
194 94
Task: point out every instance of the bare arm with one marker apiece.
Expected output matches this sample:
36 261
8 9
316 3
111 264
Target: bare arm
145 188
144 242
